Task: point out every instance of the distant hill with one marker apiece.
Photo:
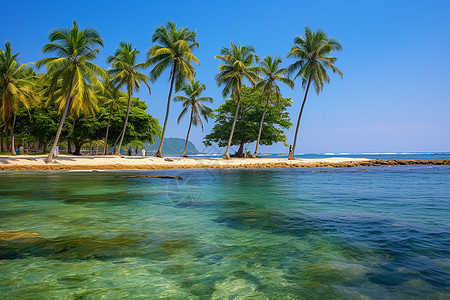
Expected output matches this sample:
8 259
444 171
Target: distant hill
172 146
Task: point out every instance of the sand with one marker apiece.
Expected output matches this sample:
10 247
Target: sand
70 162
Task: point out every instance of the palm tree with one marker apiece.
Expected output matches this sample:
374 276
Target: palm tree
272 72
16 88
125 72
237 64
110 96
71 73
174 51
312 62
194 101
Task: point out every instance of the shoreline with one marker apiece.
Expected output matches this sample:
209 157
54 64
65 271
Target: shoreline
68 162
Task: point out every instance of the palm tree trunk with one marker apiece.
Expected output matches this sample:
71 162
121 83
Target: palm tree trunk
227 154
125 125
13 123
291 155
61 123
260 129
158 153
187 137
105 148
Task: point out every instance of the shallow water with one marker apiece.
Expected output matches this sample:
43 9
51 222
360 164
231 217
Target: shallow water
378 233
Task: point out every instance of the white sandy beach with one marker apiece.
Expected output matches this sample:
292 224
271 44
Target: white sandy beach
37 162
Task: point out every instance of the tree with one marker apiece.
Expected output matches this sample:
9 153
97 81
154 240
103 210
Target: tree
110 96
272 72
174 51
194 102
91 128
312 61
125 72
71 73
16 88
141 125
237 65
248 121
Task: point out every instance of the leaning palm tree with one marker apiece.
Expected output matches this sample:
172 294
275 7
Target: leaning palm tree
312 61
16 88
272 73
174 51
194 101
237 65
71 73
125 73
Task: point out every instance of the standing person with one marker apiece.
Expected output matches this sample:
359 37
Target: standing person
136 151
56 152
21 150
143 152
130 151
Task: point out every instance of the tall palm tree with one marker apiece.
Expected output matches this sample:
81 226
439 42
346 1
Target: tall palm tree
237 65
174 51
110 96
16 88
71 73
194 101
272 73
125 73
312 62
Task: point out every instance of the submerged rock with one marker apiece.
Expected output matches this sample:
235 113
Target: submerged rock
15 235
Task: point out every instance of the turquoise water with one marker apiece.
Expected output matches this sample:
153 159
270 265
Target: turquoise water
353 233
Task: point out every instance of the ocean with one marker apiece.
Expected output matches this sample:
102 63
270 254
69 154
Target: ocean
344 233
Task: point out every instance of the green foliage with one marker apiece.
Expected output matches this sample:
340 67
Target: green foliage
237 65
248 120
193 101
16 84
174 49
41 122
312 54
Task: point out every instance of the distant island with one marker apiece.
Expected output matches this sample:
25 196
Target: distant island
172 146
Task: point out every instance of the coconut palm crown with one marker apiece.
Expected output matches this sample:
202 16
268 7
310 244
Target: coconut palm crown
312 62
70 72
196 104
125 73
173 50
237 65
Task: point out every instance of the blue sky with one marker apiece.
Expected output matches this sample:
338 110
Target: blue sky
396 88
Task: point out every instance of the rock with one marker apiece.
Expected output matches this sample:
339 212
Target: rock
168 159
15 235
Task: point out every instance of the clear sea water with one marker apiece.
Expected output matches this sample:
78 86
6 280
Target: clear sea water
350 233
368 155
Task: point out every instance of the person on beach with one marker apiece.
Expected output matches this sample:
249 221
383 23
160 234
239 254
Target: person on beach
56 152
21 150
143 152
130 151
136 151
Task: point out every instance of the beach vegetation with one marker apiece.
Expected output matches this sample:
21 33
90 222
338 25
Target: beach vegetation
237 65
125 73
272 73
312 62
70 73
174 51
248 120
16 89
195 103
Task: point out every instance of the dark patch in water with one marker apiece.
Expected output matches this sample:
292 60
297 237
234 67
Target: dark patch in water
266 220
87 248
